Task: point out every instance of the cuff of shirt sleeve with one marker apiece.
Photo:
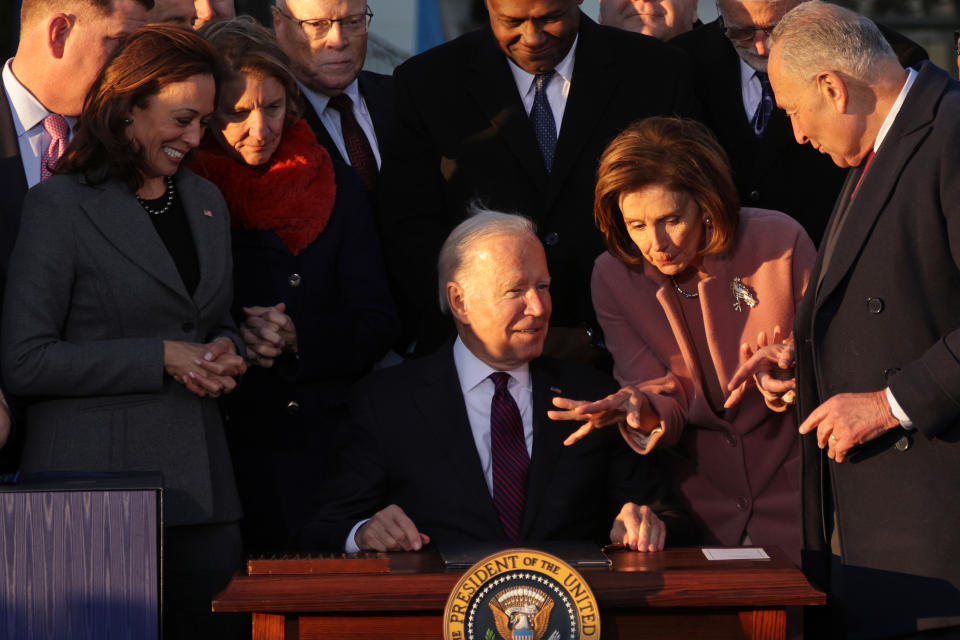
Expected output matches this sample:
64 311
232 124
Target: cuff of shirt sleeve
351 544
898 411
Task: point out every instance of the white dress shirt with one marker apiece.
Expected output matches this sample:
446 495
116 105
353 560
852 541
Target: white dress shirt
28 114
557 91
478 389
330 117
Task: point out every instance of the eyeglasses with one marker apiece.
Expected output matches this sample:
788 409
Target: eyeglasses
318 28
744 34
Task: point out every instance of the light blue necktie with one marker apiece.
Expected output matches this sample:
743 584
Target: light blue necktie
541 115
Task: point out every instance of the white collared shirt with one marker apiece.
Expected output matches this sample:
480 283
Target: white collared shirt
28 114
477 387
750 89
331 117
557 91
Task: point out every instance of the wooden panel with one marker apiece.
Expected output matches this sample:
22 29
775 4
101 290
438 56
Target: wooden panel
79 564
371 628
268 627
763 624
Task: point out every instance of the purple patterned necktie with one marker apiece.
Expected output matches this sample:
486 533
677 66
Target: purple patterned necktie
358 147
761 117
510 457
56 125
541 115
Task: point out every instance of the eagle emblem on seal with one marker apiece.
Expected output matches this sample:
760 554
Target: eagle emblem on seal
521 613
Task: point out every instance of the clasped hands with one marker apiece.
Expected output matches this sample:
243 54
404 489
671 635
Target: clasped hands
268 332
390 529
205 369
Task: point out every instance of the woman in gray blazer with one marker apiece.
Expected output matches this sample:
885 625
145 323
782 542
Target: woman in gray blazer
116 322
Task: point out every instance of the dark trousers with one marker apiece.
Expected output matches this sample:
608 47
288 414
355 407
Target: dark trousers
199 561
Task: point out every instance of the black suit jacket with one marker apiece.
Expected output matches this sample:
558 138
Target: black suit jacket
13 188
409 443
377 91
773 172
462 134
885 312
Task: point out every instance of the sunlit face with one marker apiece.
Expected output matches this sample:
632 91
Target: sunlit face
667 226
663 19
178 12
816 120
251 115
505 303
758 15
91 41
171 124
535 34
327 65
209 10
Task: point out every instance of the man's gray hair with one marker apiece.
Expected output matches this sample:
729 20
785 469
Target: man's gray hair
482 223
817 36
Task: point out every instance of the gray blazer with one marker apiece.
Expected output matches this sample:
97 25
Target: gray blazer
92 293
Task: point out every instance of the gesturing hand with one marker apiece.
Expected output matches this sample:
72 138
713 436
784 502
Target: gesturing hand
849 419
629 405
770 366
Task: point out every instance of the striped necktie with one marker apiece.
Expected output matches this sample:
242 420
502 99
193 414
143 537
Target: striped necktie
510 457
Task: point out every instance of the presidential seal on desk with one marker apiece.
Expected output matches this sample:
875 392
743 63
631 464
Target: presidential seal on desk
521 594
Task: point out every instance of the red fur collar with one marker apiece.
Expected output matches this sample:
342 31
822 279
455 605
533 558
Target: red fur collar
292 195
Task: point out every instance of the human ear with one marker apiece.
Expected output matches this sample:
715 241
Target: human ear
833 89
58 30
457 301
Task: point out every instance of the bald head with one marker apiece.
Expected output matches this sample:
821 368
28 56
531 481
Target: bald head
663 19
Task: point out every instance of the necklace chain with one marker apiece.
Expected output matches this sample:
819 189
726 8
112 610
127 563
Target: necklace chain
685 294
169 191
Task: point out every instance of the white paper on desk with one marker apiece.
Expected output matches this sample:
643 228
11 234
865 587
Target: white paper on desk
739 553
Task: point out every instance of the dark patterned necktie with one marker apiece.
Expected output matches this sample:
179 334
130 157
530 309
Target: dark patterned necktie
358 147
761 117
541 115
510 457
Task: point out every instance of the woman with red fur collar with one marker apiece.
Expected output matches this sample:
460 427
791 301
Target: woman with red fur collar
310 288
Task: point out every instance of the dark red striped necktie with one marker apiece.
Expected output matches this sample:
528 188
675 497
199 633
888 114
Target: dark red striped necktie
358 147
510 457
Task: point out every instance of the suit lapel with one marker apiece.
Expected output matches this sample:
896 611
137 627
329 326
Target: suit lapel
210 243
379 104
911 126
548 439
443 412
490 83
115 212
592 87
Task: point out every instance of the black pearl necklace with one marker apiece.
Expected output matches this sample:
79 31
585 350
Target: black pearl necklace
166 205
686 294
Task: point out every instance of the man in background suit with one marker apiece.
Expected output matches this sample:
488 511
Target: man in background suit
516 116
456 446
63 45
878 331
349 110
770 171
662 19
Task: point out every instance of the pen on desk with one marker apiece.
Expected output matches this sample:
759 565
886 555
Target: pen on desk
613 546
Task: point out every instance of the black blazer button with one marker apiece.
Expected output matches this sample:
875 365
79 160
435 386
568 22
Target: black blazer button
187 326
754 196
731 439
552 239
294 279
889 373
874 305
903 443
293 407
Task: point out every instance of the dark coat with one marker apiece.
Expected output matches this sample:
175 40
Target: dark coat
92 295
462 134
282 419
409 443
774 172
886 312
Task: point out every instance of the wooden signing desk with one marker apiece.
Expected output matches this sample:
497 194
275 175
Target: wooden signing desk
675 593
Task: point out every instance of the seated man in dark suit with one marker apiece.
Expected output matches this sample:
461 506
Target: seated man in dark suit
456 446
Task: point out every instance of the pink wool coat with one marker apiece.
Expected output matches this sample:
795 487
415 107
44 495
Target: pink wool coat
739 471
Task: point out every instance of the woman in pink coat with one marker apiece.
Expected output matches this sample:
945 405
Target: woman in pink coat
690 284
